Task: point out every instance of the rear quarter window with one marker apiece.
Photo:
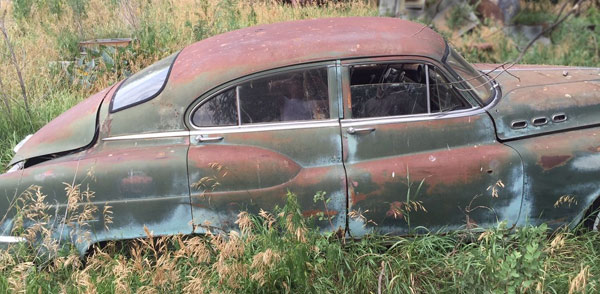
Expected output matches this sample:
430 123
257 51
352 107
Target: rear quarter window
144 85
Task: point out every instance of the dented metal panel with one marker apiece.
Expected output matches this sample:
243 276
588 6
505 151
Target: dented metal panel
71 130
142 182
546 100
468 178
562 172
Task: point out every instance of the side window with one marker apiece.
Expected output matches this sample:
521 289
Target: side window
220 110
443 97
400 89
291 96
388 90
144 85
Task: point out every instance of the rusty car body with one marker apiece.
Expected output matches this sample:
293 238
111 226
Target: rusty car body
381 114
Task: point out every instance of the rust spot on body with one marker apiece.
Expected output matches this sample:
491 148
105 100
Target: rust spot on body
552 161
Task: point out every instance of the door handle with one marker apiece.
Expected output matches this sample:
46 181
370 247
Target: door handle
354 131
202 139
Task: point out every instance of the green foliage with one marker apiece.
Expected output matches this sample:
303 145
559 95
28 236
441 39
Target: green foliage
78 7
459 15
532 17
22 8
68 44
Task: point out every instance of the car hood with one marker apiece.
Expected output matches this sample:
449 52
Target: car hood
567 97
74 129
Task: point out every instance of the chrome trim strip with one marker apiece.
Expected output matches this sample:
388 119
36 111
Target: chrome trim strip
11 239
18 146
231 129
427 89
266 127
411 118
542 68
340 88
237 106
148 136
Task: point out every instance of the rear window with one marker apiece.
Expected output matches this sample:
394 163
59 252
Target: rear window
144 85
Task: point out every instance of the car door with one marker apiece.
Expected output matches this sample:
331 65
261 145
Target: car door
418 154
258 138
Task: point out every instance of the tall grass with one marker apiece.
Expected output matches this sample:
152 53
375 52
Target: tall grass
281 252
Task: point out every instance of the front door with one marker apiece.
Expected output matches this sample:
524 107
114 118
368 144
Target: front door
419 156
260 138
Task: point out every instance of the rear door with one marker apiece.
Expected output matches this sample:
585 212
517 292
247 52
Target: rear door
256 139
419 155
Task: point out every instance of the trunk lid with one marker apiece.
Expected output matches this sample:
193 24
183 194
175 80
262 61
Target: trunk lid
545 99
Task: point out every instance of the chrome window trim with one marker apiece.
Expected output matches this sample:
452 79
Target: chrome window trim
339 85
236 82
278 126
443 71
427 90
232 129
149 136
411 118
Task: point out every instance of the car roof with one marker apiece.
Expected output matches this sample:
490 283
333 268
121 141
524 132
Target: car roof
210 63
263 47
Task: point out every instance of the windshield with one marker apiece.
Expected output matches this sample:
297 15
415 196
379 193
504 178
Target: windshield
473 80
143 85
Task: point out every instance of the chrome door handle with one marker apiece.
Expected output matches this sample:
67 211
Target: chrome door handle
201 139
354 131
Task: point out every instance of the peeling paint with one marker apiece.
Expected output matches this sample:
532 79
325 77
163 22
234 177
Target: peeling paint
587 163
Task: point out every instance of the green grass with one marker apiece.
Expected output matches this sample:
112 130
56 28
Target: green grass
533 17
281 252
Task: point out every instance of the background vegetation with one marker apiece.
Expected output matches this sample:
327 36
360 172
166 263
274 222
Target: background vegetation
43 74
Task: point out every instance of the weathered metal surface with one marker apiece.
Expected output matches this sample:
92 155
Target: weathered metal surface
144 183
222 58
255 170
458 161
562 172
9 191
544 92
73 129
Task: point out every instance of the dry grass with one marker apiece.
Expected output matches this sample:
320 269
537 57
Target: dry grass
281 251
276 251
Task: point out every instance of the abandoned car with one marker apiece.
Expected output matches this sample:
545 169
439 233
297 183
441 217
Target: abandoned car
380 114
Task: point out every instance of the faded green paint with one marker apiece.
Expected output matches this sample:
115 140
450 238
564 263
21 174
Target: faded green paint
457 159
559 165
545 92
9 191
255 170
